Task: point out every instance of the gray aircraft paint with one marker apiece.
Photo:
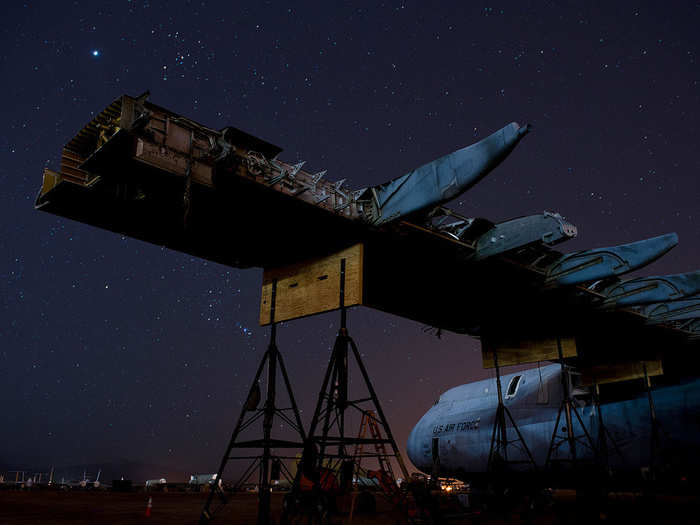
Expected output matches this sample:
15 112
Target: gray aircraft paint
463 419
600 263
548 228
672 311
645 290
443 179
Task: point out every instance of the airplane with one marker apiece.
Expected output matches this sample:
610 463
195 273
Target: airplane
84 483
96 483
453 438
224 195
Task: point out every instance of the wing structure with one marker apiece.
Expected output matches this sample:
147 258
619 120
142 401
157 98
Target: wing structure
224 195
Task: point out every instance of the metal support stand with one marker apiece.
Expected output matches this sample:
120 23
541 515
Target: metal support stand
249 415
602 431
568 407
498 452
655 439
331 449
604 437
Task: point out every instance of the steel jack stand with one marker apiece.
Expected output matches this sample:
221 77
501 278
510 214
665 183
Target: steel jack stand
568 407
498 452
604 437
331 449
249 415
655 438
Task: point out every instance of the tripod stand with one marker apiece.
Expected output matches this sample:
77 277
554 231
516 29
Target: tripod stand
251 414
498 452
568 407
328 451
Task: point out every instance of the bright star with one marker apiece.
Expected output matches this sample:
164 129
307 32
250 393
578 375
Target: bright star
95 52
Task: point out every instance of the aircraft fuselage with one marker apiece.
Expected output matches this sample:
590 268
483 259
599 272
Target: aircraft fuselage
455 433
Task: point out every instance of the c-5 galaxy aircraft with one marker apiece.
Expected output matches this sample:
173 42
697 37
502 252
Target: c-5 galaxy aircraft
224 195
454 437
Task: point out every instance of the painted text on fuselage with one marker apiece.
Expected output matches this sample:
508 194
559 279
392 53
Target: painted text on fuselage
462 426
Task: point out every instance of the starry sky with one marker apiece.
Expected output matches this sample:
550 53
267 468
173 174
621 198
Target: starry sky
113 348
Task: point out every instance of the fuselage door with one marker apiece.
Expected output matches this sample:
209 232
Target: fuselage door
436 450
435 470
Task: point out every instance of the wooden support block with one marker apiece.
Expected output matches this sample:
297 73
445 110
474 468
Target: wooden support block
525 350
312 286
617 372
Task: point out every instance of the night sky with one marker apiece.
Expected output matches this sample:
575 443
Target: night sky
113 348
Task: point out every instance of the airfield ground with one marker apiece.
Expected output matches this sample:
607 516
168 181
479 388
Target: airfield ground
104 507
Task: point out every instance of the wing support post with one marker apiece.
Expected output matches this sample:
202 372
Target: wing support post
269 465
324 284
498 461
568 407
329 442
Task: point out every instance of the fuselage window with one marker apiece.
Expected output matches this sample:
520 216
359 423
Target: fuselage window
513 386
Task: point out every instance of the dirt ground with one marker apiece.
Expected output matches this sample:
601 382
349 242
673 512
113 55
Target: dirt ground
78 507
105 507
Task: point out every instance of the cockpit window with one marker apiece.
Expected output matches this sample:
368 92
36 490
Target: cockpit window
513 386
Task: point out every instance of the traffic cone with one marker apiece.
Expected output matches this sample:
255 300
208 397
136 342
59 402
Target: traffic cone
148 507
